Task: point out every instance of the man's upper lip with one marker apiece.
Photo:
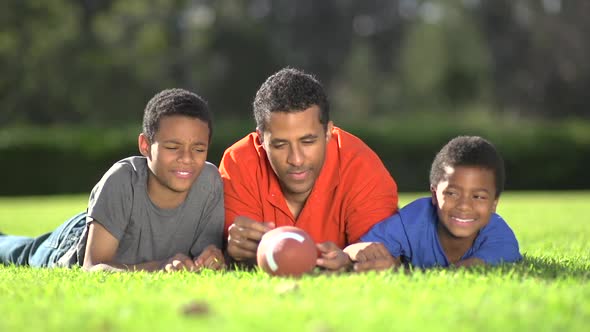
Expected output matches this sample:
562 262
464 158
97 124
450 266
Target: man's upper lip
297 171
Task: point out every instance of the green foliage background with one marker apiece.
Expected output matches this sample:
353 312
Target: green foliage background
538 155
405 75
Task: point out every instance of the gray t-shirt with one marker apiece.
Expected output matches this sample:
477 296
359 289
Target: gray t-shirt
121 204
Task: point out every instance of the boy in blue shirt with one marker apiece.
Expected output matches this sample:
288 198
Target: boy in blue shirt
456 226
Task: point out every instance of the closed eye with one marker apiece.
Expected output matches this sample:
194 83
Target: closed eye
449 193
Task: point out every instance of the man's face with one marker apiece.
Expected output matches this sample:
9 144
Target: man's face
176 156
295 144
465 200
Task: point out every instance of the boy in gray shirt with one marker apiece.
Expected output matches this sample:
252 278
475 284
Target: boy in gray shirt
161 211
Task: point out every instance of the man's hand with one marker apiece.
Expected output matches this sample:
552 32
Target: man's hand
333 258
210 258
179 262
243 237
375 257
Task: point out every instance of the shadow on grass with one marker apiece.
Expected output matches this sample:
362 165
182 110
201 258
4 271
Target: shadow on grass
549 268
554 267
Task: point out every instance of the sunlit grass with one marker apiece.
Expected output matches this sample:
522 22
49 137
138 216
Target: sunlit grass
548 291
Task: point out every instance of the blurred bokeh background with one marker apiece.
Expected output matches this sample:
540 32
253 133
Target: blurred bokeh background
405 75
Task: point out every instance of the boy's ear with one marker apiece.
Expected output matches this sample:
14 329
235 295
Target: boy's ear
495 204
433 194
144 145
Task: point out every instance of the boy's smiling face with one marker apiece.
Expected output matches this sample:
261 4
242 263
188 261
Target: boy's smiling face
465 199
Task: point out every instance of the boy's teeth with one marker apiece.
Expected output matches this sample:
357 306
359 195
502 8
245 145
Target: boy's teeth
464 220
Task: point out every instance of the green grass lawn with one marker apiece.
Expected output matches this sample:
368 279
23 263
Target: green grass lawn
548 291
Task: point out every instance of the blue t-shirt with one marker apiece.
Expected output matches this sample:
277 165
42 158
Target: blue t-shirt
411 235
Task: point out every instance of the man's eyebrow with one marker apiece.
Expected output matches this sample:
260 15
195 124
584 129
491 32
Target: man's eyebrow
308 136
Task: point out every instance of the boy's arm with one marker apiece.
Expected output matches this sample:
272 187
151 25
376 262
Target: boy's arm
101 247
473 261
495 244
371 256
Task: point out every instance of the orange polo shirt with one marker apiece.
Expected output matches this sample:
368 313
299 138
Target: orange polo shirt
353 192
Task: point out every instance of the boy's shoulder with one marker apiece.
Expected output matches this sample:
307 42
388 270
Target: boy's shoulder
419 209
131 167
209 173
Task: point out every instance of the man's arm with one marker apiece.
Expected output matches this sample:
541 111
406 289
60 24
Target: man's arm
244 237
373 196
244 224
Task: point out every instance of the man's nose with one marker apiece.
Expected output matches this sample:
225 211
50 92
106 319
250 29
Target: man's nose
295 157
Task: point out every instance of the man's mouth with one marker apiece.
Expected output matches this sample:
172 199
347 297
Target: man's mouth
298 175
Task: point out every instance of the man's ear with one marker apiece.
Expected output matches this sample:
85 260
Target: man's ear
261 137
433 194
329 128
144 145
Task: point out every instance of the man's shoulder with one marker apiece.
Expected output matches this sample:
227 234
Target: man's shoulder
246 144
353 149
243 154
348 140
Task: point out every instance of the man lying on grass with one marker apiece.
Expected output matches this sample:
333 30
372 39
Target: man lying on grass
161 211
457 226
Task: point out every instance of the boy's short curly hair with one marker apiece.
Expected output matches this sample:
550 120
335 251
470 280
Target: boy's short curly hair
289 90
174 102
472 151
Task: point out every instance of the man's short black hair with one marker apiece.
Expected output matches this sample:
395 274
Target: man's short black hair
472 151
174 102
289 90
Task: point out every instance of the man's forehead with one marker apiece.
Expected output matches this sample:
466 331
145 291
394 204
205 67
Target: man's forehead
293 124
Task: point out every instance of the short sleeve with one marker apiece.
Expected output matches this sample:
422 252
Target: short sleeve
391 233
111 200
241 192
496 243
213 217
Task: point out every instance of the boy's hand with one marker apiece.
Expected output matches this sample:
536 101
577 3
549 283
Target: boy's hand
243 237
333 258
179 262
211 258
375 257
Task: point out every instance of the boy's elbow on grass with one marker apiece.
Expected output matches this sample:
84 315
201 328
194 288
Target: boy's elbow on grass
101 268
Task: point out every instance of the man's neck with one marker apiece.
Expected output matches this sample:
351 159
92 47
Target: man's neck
296 202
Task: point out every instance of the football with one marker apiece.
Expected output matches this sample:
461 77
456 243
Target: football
286 251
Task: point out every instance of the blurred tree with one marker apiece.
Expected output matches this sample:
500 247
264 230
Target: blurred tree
540 53
444 63
98 61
